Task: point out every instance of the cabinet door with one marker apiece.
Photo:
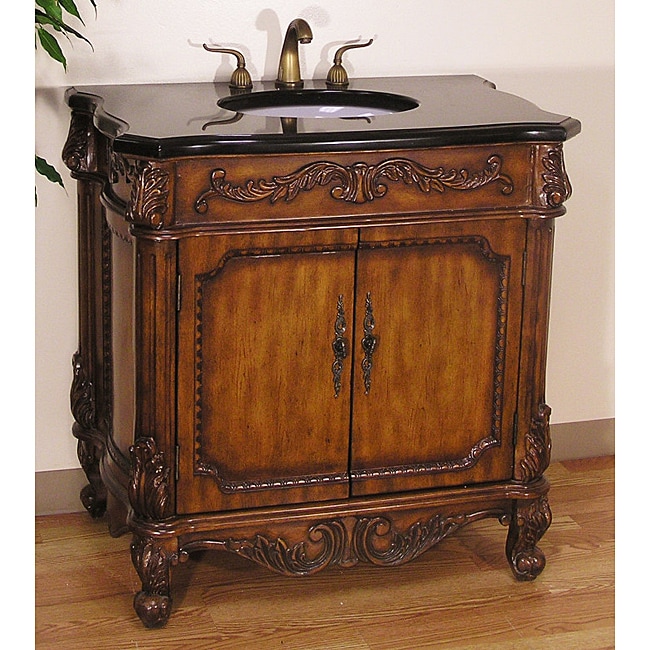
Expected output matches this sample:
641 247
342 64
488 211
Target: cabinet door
435 389
264 399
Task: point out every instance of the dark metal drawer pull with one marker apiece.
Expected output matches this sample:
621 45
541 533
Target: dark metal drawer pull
368 343
339 345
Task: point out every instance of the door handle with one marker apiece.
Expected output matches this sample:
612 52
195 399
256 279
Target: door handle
368 343
339 345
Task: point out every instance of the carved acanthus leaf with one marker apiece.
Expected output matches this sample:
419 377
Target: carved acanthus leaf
404 547
149 491
77 144
556 188
538 446
149 193
356 183
294 560
347 541
82 395
530 521
152 564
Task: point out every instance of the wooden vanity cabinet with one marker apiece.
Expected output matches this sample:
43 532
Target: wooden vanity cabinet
312 358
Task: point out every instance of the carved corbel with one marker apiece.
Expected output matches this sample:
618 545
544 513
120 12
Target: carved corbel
538 446
149 490
555 184
149 195
77 148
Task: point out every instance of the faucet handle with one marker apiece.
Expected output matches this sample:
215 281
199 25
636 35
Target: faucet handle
240 79
337 77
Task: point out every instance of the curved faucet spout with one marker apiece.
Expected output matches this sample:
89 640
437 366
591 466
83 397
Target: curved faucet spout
298 31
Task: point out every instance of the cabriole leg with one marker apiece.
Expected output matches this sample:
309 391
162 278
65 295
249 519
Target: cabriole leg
530 520
153 560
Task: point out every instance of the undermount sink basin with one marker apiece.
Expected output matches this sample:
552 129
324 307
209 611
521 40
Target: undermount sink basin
318 103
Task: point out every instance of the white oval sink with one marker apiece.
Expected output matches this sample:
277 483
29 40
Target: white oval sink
318 103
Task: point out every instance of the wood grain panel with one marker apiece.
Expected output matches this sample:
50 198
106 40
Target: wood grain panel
439 410
257 327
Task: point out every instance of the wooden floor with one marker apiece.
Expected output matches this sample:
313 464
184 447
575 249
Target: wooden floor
460 594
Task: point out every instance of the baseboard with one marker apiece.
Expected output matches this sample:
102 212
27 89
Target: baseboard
585 439
58 491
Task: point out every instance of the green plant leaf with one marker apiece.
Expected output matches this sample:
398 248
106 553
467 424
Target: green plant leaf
69 29
43 167
51 46
71 8
51 8
60 27
44 19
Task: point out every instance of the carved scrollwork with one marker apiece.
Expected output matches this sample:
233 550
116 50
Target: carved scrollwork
75 150
90 441
294 560
149 491
401 548
538 446
82 395
356 183
121 166
347 541
556 188
149 193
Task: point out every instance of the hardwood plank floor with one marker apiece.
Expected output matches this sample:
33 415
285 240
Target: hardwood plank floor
460 594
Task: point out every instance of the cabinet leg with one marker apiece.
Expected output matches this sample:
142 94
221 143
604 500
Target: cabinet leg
89 452
153 560
530 520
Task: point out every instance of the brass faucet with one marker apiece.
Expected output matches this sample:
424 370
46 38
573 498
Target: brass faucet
289 68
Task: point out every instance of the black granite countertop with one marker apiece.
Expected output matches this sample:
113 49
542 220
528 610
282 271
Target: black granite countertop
169 120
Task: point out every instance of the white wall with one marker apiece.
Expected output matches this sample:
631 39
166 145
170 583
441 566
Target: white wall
557 53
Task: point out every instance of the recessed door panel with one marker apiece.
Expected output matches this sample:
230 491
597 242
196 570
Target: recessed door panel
264 337
436 378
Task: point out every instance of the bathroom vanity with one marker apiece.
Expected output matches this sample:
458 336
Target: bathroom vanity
313 341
